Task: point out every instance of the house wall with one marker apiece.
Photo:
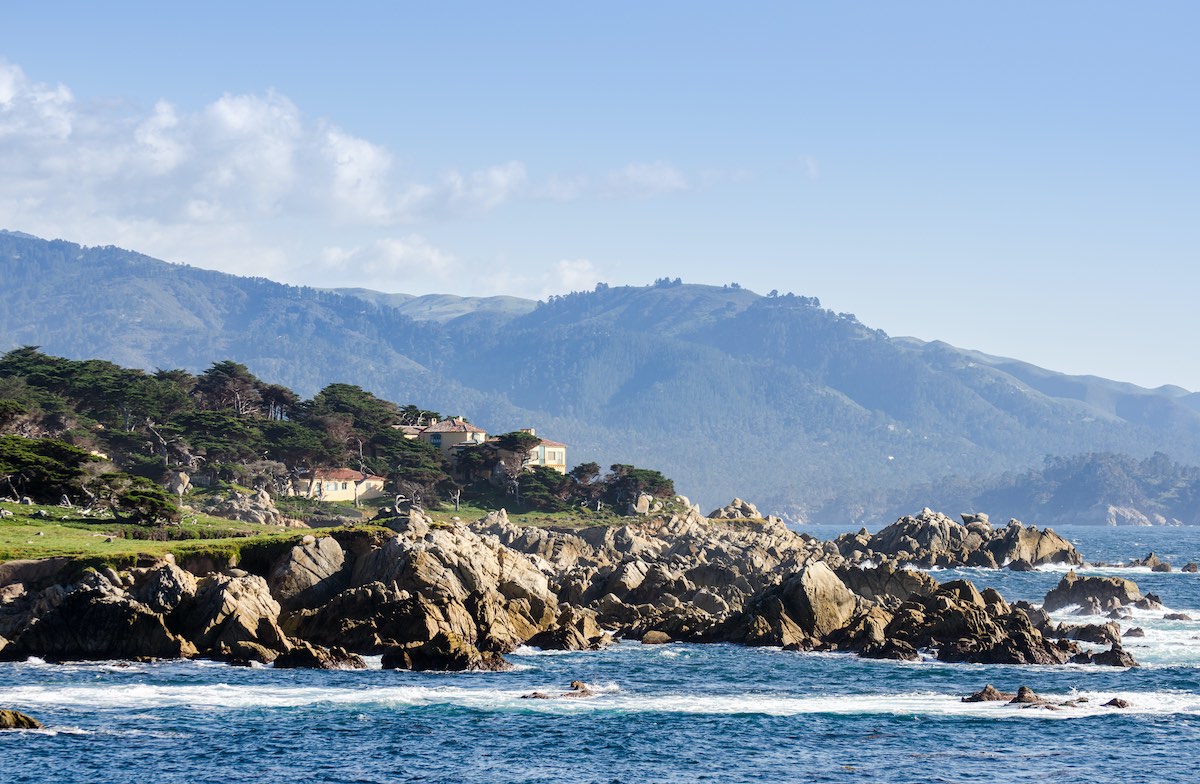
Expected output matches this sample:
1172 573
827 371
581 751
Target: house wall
338 490
446 442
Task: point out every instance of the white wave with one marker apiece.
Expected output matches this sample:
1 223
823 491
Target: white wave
610 698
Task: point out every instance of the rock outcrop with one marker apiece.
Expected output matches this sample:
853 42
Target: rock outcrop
1099 593
256 507
15 720
932 539
454 597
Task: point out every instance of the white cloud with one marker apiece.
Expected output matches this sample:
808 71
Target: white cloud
251 185
103 173
486 189
388 264
571 275
646 179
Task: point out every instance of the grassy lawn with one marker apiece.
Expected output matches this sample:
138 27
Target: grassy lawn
66 533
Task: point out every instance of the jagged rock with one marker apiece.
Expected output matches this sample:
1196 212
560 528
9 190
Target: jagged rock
242 653
885 583
1107 592
1191 567
866 630
989 693
314 657
655 638
1116 702
1150 561
1162 567
15 720
256 507
964 631
164 587
230 610
97 624
890 649
933 539
737 509
1149 602
1177 617
1025 696
446 652
1021 565
1106 634
576 630
974 517
1116 656
309 574
1135 631
642 505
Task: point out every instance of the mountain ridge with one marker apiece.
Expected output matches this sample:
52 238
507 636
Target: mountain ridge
727 391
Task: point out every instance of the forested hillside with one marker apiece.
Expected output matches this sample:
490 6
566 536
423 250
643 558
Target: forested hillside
773 398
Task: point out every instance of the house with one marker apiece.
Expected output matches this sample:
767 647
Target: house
449 434
546 453
339 484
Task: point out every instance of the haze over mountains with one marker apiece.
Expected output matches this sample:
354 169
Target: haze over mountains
772 398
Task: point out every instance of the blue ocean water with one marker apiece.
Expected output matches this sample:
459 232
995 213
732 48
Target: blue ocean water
674 713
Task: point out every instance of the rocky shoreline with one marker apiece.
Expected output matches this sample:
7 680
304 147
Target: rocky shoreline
460 597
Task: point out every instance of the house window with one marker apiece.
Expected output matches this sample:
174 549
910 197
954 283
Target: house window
344 485
436 439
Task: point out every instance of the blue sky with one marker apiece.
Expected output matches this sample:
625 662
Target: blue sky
1019 178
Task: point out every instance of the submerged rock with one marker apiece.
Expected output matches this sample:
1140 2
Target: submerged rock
989 693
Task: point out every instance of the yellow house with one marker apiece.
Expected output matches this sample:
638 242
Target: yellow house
340 484
450 434
546 453
550 454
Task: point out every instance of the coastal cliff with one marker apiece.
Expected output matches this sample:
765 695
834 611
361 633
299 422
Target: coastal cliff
460 596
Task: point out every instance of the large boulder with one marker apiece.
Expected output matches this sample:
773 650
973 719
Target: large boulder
309 574
886 583
1105 592
446 652
228 610
807 607
314 657
164 587
576 630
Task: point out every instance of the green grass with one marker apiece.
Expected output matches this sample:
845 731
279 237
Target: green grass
85 539
578 517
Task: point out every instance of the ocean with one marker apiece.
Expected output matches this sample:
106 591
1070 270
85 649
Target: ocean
672 713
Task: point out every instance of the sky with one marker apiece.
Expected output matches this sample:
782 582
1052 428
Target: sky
1018 178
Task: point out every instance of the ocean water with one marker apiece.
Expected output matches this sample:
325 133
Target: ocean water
673 713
